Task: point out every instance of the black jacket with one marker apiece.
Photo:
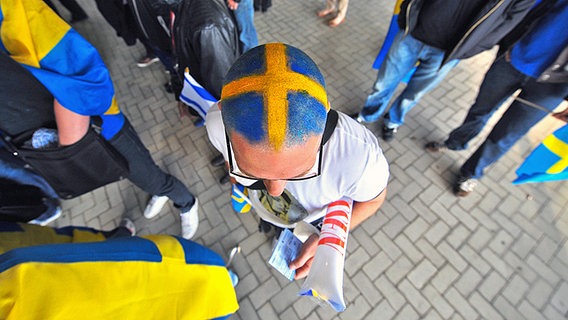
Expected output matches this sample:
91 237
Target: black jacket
203 38
491 24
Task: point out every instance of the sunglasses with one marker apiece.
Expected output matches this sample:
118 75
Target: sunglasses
235 171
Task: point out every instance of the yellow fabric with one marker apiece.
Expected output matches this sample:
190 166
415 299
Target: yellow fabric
33 235
560 148
24 32
170 289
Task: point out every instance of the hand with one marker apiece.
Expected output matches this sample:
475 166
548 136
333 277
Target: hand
562 115
303 262
232 4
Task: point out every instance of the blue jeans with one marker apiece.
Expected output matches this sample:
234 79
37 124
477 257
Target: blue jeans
245 22
145 173
500 82
403 55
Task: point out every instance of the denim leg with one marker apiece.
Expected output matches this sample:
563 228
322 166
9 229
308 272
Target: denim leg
427 76
500 82
145 173
515 123
400 60
245 21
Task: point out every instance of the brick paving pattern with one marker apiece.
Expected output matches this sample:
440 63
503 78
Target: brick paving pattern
501 253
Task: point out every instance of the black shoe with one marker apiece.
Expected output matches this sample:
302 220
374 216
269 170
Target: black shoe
77 19
388 133
168 87
225 179
434 146
357 117
218 161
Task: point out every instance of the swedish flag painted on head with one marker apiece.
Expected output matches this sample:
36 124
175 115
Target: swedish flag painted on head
274 94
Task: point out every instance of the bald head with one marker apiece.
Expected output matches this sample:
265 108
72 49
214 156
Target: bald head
274 95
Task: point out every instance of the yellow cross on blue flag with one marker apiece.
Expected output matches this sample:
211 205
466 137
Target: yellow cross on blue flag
548 162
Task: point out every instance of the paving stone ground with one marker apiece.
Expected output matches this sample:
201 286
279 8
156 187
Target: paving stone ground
500 253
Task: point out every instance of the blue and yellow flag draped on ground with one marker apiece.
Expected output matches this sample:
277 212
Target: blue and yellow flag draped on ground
150 277
548 162
64 62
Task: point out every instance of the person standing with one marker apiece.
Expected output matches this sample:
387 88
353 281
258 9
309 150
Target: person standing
79 87
244 14
436 34
537 65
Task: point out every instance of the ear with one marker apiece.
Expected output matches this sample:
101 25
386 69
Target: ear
219 104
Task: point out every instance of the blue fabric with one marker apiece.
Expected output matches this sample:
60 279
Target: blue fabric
499 83
245 22
123 249
535 167
400 60
539 48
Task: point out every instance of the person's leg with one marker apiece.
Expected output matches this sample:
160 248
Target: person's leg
245 21
329 8
400 59
515 123
77 13
500 82
146 174
428 75
341 12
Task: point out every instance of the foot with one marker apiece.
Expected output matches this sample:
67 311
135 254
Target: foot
464 186
325 12
225 178
146 61
388 133
218 161
336 21
47 217
155 206
357 117
434 146
190 221
128 224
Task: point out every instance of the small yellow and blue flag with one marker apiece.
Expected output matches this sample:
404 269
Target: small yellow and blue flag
548 162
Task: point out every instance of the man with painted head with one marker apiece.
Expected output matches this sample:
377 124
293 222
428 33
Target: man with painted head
279 137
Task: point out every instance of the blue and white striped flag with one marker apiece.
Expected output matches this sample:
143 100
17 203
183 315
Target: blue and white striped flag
195 96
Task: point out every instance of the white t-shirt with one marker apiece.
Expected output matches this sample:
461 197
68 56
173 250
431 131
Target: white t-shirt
353 165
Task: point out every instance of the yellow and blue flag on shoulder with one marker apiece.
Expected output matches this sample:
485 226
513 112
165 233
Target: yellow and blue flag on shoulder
548 162
64 62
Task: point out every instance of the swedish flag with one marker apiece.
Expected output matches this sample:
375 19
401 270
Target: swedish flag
548 162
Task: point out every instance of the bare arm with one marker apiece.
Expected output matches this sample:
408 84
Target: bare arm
361 211
71 126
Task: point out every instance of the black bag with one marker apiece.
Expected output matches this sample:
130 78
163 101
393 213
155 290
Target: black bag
75 169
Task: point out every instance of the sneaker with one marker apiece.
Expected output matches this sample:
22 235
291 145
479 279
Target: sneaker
47 217
155 206
239 198
357 117
388 133
146 61
434 146
128 224
190 221
234 277
464 186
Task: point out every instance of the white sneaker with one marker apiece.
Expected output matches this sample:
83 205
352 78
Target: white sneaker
155 206
190 221
46 218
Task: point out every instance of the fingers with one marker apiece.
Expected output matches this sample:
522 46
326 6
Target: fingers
303 262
